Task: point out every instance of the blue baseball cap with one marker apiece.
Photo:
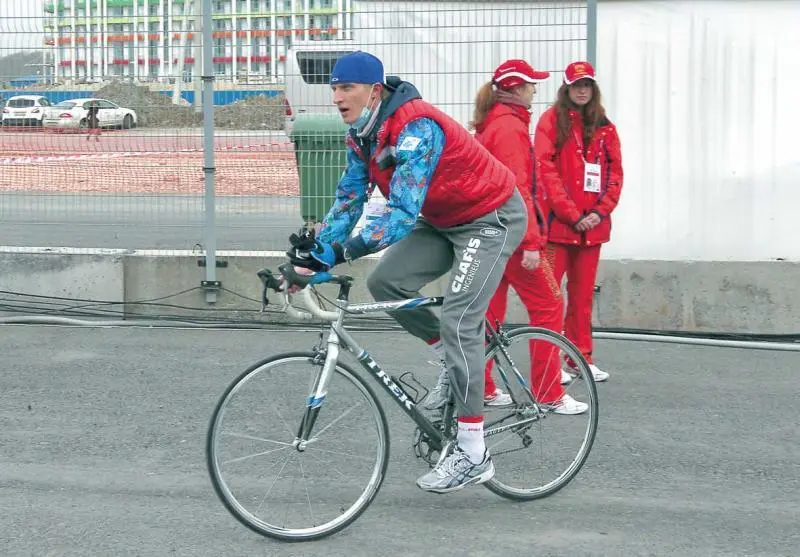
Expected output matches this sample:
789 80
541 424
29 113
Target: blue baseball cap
358 67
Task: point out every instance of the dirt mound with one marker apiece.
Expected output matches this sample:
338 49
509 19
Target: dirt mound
155 109
258 112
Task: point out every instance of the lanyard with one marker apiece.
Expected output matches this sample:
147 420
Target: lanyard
579 143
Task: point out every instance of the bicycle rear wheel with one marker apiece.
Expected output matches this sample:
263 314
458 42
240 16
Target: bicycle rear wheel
290 493
537 450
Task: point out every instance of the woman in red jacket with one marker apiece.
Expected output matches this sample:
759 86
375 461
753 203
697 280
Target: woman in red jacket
502 122
578 162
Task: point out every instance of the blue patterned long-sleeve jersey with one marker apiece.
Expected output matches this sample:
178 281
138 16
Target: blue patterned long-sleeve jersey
419 147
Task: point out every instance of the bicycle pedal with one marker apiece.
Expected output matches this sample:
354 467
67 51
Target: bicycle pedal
410 384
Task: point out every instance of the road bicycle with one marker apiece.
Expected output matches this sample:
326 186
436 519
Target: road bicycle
298 444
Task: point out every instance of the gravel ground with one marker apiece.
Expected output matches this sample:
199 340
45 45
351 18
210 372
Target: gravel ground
246 173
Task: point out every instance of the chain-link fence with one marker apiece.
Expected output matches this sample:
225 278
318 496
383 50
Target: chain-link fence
102 144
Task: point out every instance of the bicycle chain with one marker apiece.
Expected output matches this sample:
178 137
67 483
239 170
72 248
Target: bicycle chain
509 451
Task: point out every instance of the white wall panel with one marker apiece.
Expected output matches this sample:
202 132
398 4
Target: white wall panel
705 95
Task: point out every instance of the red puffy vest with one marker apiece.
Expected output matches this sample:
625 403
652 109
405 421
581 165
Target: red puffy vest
468 182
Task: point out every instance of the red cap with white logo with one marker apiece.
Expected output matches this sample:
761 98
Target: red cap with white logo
516 72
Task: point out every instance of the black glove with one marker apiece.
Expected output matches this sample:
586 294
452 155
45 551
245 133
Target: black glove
310 253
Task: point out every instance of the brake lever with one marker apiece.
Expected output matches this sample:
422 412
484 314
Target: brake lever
268 280
264 298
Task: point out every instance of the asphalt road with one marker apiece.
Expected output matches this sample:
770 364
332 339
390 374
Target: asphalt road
102 435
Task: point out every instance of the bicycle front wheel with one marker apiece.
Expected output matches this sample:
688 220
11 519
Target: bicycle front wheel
297 493
540 443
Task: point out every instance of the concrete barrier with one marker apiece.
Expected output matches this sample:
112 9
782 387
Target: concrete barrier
728 296
737 297
62 273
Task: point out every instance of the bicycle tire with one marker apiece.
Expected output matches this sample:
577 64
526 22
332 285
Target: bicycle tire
309 533
583 372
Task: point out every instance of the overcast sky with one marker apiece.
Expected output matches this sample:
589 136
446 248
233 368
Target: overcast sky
20 25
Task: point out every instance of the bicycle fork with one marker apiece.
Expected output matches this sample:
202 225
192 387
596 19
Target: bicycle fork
318 393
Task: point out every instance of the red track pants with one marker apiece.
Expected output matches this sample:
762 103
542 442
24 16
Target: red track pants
580 265
539 292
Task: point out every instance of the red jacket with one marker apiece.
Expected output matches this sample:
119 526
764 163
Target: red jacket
506 134
468 182
562 175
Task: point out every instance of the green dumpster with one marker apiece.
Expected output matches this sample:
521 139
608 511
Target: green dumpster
321 157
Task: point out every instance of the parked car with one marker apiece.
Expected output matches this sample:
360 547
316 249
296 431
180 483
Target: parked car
72 114
25 110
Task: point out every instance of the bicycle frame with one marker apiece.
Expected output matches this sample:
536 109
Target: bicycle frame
339 337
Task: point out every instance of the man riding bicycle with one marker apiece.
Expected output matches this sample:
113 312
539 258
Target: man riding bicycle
451 207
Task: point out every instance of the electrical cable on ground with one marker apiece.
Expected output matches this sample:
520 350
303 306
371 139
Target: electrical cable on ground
67 311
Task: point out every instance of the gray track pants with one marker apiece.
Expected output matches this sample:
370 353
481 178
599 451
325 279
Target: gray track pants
475 254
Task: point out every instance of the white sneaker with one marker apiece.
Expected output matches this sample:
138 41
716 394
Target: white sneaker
598 374
568 406
497 398
456 472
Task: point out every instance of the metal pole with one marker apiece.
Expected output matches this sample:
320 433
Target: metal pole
179 47
198 21
697 341
210 284
591 32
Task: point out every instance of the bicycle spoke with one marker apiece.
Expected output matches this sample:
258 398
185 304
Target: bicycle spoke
284 423
308 497
241 458
365 458
277 477
254 438
324 429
